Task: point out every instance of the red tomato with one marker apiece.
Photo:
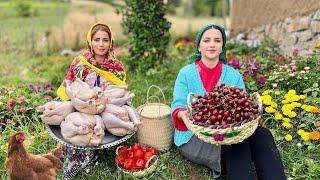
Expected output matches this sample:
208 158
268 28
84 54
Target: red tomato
120 160
152 150
140 164
122 150
128 164
130 154
138 154
144 149
148 155
135 146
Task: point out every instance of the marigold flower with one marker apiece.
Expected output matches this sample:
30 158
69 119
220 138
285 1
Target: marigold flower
300 131
274 104
266 92
288 137
315 110
314 135
270 109
305 136
287 125
278 116
292 114
286 120
303 96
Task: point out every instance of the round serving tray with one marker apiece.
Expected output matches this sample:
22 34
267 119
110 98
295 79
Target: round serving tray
108 141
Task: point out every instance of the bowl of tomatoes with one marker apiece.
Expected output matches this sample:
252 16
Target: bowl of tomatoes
136 160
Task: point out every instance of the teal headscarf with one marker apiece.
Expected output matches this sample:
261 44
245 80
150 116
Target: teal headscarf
197 54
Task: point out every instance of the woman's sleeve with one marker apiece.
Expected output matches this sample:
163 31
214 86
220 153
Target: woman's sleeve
179 102
240 83
73 70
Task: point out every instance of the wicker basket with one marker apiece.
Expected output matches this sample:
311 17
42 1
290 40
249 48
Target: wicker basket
156 129
227 134
151 165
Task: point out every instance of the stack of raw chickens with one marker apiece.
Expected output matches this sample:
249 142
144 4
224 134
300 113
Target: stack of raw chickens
91 111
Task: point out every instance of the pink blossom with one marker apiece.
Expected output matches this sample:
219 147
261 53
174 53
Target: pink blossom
246 73
47 98
11 103
21 99
296 51
23 109
262 80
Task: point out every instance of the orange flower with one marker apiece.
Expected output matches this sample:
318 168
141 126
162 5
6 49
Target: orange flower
317 124
314 135
315 110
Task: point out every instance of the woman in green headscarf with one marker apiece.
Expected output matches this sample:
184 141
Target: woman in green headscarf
208 69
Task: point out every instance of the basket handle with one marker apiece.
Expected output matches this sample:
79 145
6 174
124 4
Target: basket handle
148 102
154 86
148 162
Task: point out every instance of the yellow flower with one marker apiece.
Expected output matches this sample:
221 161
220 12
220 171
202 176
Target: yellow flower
266 99
287 120
305 136
292 114
284 101
303 96
277 92
266 92
278 116
292 92
1 103
270 109
287 125
300 131
274 104
288 137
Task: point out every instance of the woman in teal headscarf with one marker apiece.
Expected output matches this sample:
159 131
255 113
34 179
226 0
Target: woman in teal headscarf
208 69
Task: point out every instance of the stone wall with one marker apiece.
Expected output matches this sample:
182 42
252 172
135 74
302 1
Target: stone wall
301 32
253 13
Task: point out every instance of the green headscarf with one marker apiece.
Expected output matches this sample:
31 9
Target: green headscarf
197 54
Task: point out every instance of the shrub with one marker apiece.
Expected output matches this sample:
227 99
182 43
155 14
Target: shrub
148 32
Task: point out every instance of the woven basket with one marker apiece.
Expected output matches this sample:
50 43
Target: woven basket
156 128
228 134
151 165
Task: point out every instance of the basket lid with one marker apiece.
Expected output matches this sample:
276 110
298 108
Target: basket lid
154 110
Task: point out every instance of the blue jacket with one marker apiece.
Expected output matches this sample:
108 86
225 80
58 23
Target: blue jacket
189 80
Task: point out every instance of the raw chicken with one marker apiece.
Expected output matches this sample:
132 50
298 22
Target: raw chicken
83 129
54 112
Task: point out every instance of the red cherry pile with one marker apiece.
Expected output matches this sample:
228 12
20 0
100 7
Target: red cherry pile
224 105
135 157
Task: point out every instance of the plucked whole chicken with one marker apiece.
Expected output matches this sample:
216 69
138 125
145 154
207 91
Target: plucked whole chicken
83 129
54 112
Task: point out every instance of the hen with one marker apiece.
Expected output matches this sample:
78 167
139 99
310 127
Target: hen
21 165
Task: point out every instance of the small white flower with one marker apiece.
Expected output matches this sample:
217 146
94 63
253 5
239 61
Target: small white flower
306 78
299 77
299 144
291 74
87 170
274 85
302 72
275 73
306 68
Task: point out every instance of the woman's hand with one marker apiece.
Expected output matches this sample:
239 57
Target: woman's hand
184 116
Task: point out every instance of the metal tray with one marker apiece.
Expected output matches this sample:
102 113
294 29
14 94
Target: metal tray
108 141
